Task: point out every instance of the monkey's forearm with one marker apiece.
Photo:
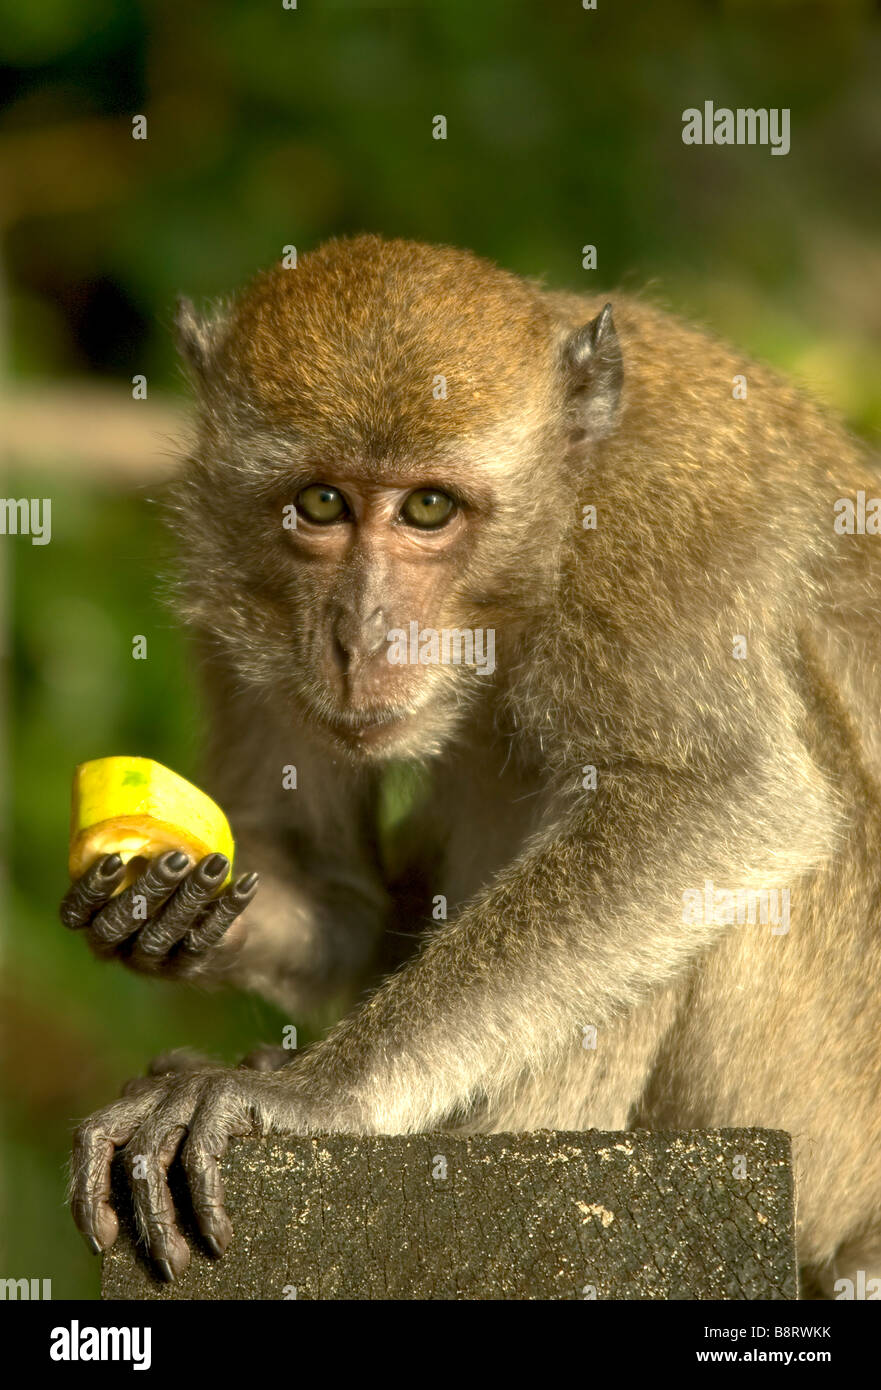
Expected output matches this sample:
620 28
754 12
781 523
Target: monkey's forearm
577 933
312 928
301 941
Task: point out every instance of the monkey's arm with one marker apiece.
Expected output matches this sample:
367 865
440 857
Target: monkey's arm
171 920
577 931
321 907
316 905
312 928
583 927
315 925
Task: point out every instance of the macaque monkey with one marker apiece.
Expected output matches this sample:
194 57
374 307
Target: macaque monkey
652 821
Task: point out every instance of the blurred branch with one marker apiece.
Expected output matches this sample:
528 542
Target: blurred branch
94 429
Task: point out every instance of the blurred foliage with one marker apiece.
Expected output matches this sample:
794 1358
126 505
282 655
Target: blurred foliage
269 126
77 1028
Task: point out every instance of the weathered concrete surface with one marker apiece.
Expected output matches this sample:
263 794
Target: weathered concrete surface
541 1215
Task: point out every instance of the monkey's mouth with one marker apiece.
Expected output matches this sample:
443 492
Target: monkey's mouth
361 723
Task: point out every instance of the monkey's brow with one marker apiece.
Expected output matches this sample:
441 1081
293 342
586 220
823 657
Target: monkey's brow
278 478
276 462
444 479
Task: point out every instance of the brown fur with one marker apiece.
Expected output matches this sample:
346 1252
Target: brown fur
614 649
311 350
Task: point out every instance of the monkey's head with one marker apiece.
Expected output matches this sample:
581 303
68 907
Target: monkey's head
380 481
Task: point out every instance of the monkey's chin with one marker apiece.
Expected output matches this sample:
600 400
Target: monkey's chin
408 734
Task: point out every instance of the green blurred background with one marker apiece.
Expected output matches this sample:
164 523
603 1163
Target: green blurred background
269 127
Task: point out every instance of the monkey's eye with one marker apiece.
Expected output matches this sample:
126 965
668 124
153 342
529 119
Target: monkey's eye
427 508
321 504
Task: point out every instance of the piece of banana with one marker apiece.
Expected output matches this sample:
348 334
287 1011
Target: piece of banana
138 809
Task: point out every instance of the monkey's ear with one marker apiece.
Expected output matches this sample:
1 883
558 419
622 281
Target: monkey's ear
196 335
592 357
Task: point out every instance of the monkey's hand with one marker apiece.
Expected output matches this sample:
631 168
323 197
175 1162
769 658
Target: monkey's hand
171 921
180 1060
192 1114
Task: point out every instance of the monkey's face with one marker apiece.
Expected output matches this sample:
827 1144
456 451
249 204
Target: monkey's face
376 560
376 507
375 603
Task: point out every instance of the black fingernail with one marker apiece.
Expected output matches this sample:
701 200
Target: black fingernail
215 866
214 1246
246 883
111 865
165 1270
176 861
93 1245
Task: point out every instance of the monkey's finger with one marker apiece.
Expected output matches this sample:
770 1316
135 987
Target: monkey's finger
179 913
94 1145
217 920
125 914
83 899
176 1062
221 1115
147 1157
268 1058
207 1108
206 1193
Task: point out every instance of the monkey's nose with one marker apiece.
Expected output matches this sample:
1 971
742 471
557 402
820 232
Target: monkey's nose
360 638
